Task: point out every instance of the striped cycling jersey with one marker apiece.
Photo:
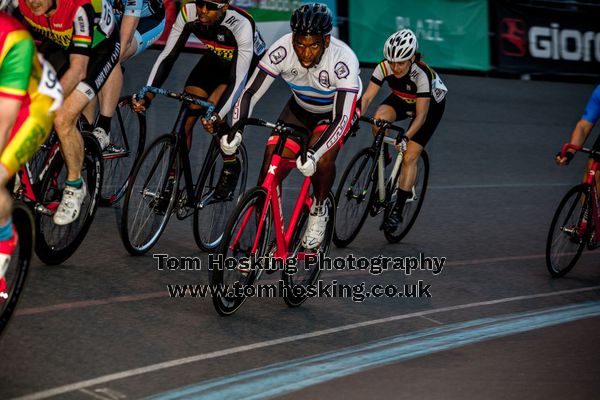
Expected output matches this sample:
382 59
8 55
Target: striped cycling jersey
76 25
421 81
331 86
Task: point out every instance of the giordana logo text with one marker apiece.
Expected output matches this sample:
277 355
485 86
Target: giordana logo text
548 42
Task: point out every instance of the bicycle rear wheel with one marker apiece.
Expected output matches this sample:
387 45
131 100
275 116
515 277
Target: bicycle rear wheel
413 204
569 231
19 264
353 197
240 234
298 283
210 216
150 196
127 138
55 243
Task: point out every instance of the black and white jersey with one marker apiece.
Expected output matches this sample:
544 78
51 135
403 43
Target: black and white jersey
421 81
234 39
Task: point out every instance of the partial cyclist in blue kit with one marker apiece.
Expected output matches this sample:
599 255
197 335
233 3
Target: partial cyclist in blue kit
141 23
583 129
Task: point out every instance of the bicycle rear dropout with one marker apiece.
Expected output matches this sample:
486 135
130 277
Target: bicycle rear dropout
576 222
256 231
162 184
365 189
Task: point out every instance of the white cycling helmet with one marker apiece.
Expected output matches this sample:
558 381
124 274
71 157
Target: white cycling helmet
401 46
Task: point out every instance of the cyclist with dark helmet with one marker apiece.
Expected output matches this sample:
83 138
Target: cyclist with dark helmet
418 93
234 48
323 75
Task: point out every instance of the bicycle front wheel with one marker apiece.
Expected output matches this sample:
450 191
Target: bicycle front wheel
569 231
413 203
150 197
127 138
298 283
19 263
241 233
210 215
55 243
353 197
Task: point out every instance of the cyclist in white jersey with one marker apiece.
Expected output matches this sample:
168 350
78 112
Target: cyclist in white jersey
323 75
417 93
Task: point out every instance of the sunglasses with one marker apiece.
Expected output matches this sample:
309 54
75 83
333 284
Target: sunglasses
210 5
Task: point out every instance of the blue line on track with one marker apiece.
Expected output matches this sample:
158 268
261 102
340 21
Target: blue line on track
289 376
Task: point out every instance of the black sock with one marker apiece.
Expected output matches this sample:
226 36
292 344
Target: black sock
103 122
402 196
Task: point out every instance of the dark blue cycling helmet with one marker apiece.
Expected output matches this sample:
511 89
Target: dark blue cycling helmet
312 19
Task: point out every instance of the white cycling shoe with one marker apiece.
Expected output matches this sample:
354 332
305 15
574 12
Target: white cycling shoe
102 136
316 226
70 205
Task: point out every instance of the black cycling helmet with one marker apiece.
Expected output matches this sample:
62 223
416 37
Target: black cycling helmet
312 19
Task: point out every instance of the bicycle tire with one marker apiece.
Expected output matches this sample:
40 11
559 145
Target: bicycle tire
127 141
20 262
411 211
222 278
355 187
54 243
559 242
210 220
138 234
303 277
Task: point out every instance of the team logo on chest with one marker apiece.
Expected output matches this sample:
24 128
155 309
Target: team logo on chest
324 78
294 72
221 37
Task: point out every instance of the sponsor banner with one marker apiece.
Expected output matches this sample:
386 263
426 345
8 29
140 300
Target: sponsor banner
272 17
553 39
451 33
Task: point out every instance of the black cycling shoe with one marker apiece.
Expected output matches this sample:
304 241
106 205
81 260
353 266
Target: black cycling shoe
392 221
227 181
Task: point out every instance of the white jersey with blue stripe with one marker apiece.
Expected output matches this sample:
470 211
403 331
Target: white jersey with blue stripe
315 88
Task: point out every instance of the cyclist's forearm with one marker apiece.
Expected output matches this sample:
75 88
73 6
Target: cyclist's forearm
128 27
258 85
345 104
581 132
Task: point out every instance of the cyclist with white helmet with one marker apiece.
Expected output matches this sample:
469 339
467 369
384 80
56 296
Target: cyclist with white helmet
323 75
418 93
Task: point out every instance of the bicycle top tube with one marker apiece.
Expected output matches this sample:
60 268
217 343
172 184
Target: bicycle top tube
184 97
282 129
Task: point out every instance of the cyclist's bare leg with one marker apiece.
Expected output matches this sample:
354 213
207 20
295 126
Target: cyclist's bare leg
386 113
110 92
408 173
89 112
71 142
191 119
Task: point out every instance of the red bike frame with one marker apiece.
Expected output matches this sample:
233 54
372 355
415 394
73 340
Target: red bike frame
591 181
278 169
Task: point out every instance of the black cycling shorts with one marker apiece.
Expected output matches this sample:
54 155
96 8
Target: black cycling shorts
597 144
404 110
212 71
103 59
